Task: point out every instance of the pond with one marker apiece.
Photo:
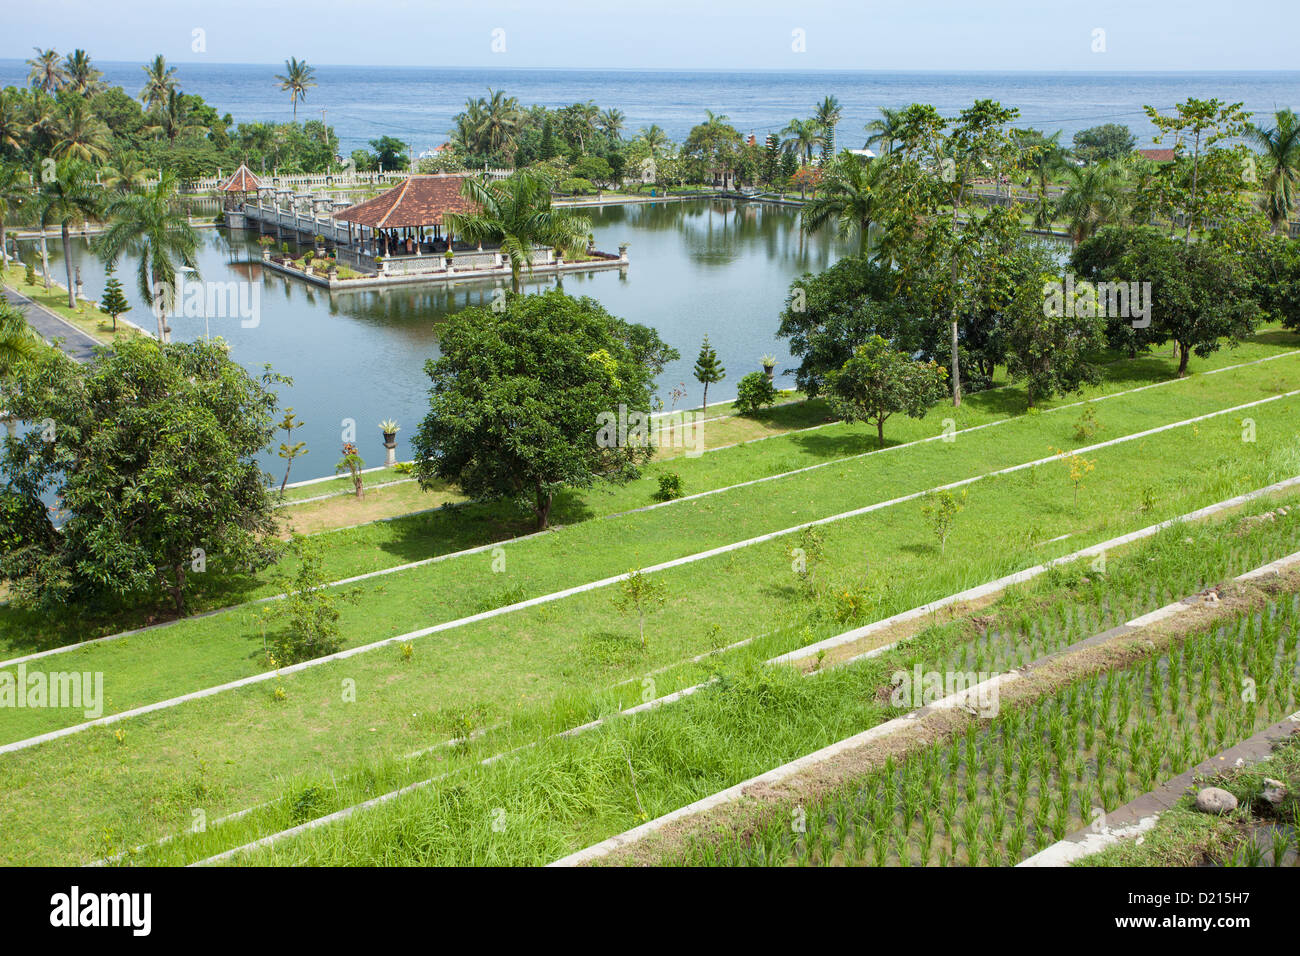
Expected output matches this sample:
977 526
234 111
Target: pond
697 267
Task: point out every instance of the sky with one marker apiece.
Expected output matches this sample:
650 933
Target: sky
1000 35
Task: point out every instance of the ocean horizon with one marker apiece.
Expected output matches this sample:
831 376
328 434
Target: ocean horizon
417 103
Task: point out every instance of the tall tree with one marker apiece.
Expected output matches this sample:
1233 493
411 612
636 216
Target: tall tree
801 136
80 134
46 72
83 78
1280 154
1109 142
160 79
14 188
174 117
71 197
517 214
153 223
297 79
1093 198
827 117
851 194
883 133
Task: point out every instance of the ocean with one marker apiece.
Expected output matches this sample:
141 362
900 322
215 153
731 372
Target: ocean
417 104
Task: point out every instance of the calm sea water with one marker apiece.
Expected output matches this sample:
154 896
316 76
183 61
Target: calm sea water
417 104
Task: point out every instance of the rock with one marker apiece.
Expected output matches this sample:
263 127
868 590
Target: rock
1215 800
1274 791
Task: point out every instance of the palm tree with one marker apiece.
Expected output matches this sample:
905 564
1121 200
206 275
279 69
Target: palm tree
1042 156
13 125
79 133
499 122
129 175
1092 199
851 195
160 79
884 132
516 213
14 189
297 79
72 196
801 136
83 78
1280 145
42 115
612 122
174 117
654 137
827 117
154 223
47 73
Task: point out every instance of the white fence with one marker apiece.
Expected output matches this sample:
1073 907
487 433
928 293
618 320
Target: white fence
341 180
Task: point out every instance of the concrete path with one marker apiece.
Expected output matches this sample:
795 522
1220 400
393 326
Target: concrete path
75 342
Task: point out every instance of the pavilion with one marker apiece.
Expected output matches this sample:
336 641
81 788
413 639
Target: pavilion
234 193
409 219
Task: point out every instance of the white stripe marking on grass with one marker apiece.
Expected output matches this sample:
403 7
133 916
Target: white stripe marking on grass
594 585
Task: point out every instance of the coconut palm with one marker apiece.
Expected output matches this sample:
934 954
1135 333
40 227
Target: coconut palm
13 122
160 79
128 175
654 138
801 135
83 78
79 133
827 117
883 133
1042 157
851 195
612 121
1092 199
499 122
174 117
71 196
41 116
14 188
154 223
516 213
1280 145
46 71
297 79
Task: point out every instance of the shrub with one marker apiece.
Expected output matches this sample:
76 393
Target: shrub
576 186
754 392
670 487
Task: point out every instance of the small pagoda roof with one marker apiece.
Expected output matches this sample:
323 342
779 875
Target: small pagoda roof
243 181
417 201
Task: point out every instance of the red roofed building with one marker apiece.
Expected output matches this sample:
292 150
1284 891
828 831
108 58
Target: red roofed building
1157 155
243 181
397 220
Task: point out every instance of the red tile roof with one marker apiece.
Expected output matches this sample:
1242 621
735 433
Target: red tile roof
419 201
1157 155
243 181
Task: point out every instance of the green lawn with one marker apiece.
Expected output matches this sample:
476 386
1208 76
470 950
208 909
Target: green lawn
552 658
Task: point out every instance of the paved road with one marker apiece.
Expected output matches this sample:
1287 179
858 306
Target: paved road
75 342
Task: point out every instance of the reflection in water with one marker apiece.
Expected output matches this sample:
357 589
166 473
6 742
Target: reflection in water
697 267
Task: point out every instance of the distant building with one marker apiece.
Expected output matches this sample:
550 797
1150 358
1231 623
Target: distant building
1157 155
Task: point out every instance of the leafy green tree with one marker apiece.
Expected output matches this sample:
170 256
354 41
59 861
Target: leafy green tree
352 463
390 153
13 190
882 133
309 611
828 315
79 133
1200 293
708 369
160 79
879 381
296 80
114 302
519 396
801 137
1106 143
1275 275
1093 198
517 214
827 116
1051 351
156 479
940 508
